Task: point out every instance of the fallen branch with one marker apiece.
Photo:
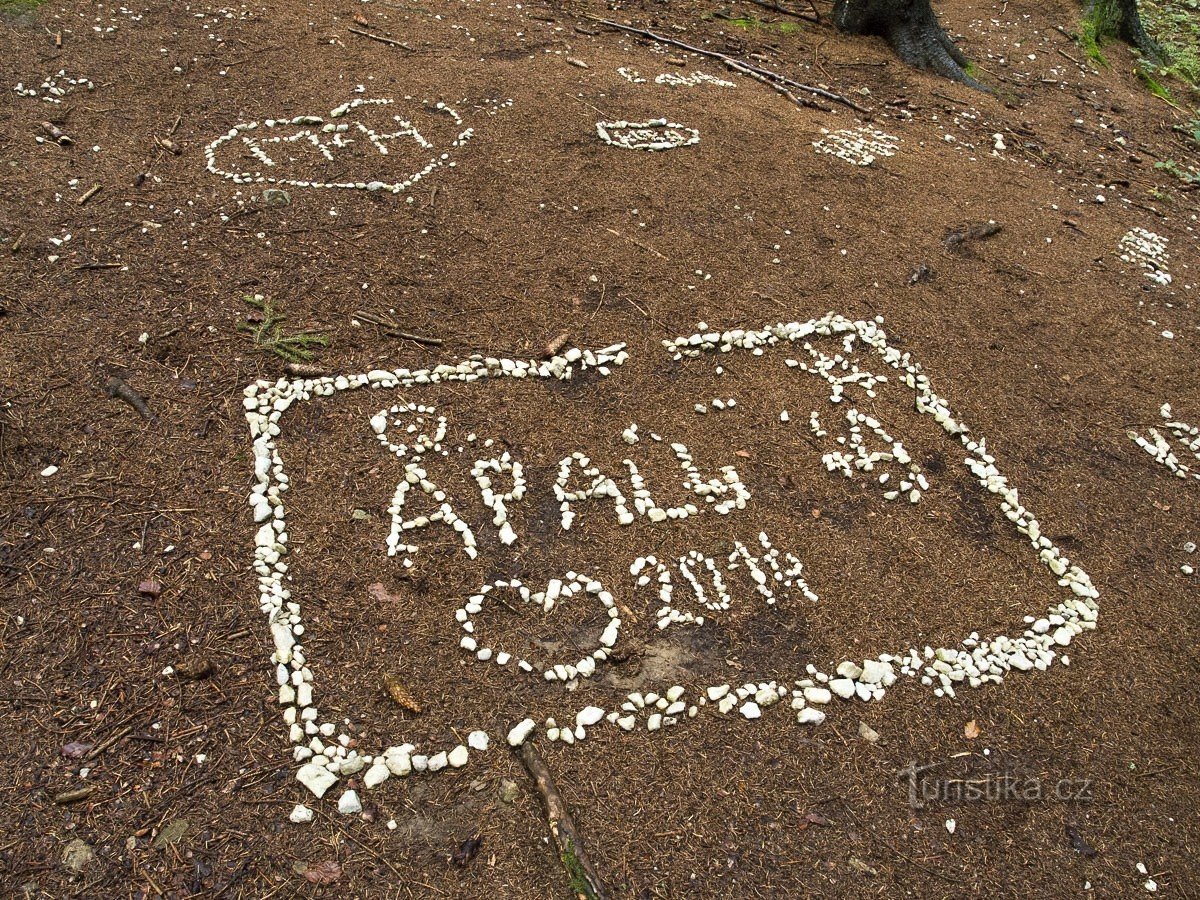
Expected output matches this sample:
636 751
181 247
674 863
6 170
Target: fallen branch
584 881
775 7
738 64
391 329
391 42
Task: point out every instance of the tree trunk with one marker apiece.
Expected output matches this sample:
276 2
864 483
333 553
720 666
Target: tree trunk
1120 18
913 30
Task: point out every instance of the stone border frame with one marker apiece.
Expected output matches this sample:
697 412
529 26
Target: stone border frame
975 661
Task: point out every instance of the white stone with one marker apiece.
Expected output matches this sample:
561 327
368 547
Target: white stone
750 710
843 687
478 740
376 775
520 732
810 716
301 814
349 804
818 695
458 756
316 778
589 716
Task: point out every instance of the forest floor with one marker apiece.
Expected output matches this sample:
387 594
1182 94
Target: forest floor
993 238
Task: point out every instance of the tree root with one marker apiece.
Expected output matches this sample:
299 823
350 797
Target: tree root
1119 18
912 28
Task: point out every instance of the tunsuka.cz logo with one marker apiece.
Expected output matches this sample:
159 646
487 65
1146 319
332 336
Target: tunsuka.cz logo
597 542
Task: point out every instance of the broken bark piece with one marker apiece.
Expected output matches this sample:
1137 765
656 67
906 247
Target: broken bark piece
306 370
61 139
170 146
74 795
583 880
118 389
981 231
150 588
194 668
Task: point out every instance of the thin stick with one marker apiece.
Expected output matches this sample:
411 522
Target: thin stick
89 194
391 42
735 63
391 330
583 878
767 4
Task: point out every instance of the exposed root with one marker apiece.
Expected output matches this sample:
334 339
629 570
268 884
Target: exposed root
1120 19
912 28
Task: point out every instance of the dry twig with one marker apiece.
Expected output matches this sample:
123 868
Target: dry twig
584 881
737 64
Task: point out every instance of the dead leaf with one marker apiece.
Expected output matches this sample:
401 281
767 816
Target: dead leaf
400 694
381 594
75 750
744 454
971 730
466 851
326 872
812 818
150 588
859 866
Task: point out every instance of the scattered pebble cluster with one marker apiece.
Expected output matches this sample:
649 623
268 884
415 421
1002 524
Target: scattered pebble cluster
330 139
857 146
326 754
1188 437
55 86
674 79
1148 250
657 134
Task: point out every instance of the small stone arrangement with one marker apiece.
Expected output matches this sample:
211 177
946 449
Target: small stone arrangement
1188 438
857 146
324 748
330 138
655 135
674 79
55 87
1148 250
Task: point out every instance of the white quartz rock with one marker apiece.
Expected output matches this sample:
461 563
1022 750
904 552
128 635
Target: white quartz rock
458 756
316 778
843 687
818 695
520 732
750 710
589 716
349 804
478 740
301 814
376 775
